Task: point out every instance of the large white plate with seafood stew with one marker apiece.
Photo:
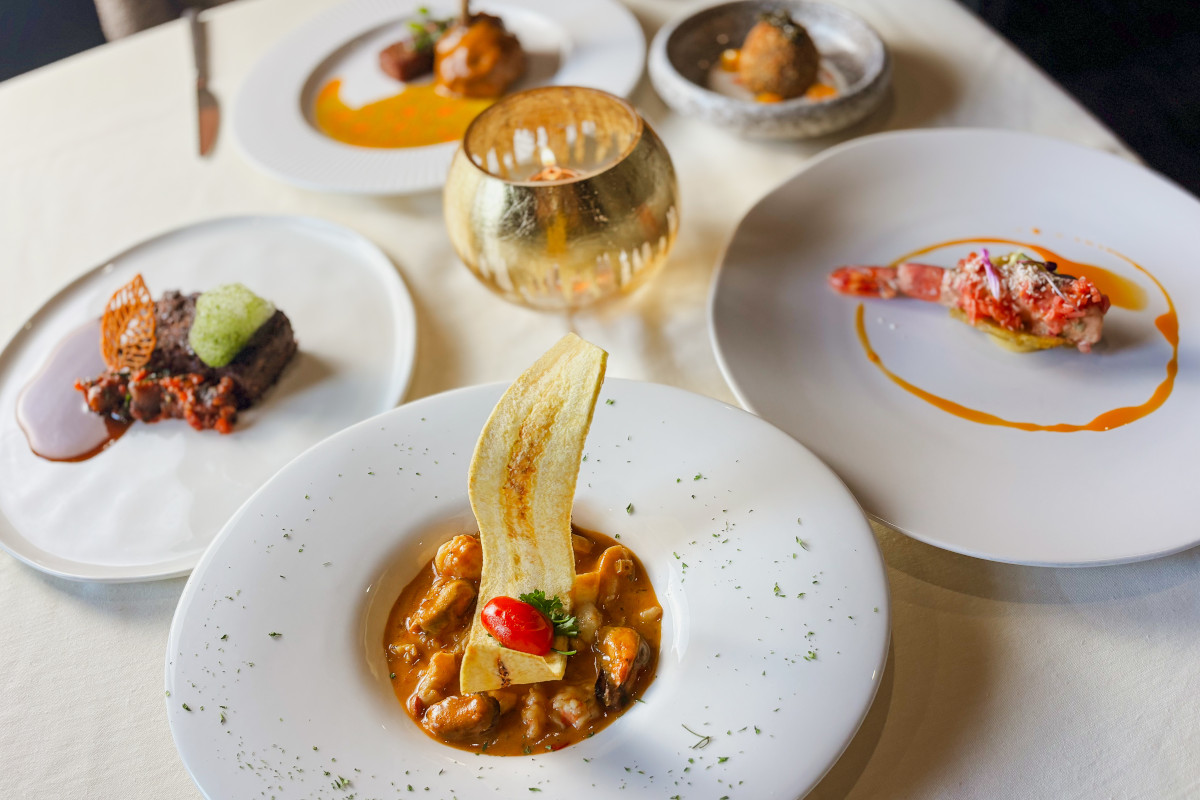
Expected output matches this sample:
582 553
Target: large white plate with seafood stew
147 505
1056 457
276 119
775 623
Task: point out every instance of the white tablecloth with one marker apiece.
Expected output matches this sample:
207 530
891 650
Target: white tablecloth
1002 682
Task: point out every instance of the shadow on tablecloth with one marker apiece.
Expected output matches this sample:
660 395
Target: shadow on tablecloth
959 622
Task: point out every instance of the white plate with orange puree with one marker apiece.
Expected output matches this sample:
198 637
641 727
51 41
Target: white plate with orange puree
1056 457
775 619
318 110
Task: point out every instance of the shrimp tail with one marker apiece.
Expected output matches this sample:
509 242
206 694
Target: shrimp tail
919 281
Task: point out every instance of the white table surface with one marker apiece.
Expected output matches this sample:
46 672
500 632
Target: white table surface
1003 681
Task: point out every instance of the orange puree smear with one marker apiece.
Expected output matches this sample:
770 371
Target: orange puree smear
816 92
821 91
1130 295
415 117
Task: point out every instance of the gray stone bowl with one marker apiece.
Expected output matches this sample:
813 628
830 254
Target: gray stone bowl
685 52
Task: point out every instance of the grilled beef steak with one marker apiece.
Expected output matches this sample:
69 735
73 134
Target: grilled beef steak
176 384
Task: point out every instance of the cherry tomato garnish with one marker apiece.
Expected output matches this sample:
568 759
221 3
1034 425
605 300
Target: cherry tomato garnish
518 625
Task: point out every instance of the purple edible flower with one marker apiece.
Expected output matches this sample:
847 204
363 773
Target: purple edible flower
993 277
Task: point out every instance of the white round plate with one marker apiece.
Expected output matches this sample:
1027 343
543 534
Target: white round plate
598 44
772 648
789 348
147 506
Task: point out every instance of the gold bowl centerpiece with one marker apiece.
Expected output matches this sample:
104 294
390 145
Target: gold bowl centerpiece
561 196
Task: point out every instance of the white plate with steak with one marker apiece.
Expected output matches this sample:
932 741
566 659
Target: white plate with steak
146 500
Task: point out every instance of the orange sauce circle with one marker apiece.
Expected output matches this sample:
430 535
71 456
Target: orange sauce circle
1122 292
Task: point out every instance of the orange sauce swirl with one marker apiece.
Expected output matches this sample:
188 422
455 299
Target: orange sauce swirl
1123 293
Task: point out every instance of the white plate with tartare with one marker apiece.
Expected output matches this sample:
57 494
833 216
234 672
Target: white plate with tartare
775 611
1057 457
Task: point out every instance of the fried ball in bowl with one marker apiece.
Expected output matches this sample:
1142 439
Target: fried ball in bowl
778 57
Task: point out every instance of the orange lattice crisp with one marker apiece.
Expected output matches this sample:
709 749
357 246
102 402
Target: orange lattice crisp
127 328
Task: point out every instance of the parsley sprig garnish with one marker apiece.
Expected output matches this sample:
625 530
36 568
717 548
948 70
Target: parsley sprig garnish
552 608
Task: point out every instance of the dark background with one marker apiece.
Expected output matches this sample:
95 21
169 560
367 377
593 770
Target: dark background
1135 64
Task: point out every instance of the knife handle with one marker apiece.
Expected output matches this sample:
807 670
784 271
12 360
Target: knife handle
199 45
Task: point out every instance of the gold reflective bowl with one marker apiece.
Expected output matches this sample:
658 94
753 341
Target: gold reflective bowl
561 196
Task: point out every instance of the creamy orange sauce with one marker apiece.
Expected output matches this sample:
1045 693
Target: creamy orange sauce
416 117
510 736
1119 288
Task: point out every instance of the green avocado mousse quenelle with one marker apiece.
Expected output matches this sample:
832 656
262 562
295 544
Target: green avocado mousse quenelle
226 318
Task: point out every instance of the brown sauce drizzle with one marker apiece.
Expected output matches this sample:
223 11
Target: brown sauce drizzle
52 413
1123 293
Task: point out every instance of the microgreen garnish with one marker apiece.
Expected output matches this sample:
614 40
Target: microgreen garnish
552 608
423 29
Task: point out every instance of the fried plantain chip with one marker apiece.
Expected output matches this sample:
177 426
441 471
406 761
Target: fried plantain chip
522 487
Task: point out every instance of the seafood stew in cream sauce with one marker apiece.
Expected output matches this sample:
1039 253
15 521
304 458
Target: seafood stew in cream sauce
619 622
